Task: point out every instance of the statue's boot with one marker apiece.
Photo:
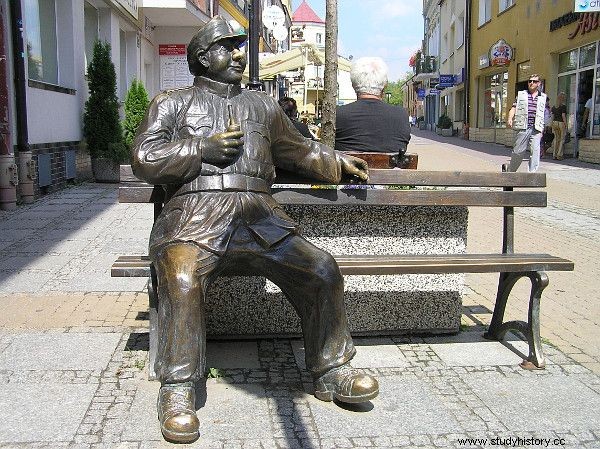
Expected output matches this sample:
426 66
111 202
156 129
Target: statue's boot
346 385
177 414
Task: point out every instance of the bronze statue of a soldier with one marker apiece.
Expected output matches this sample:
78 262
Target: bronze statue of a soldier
214 148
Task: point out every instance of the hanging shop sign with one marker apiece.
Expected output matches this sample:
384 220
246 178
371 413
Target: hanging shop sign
420 94
446 81
500 53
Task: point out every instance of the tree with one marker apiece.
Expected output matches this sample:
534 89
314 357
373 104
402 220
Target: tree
101 125
330 79
136 103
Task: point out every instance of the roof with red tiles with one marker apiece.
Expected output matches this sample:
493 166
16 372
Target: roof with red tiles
305 14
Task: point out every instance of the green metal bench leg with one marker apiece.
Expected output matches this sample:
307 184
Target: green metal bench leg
531 328
153 325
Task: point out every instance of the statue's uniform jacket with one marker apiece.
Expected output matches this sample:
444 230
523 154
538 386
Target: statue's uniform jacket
242 219
168 151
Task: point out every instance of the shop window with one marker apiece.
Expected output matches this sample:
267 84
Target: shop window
567 61
587 54
504 4
596 105
90 31
485 11
495 93
40 22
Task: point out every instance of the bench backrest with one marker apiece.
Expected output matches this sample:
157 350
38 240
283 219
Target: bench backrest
447 188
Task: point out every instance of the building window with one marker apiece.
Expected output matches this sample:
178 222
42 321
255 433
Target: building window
460 32
319 38
587 54
485 11
40 23
504 4
567 61
90 19
495 93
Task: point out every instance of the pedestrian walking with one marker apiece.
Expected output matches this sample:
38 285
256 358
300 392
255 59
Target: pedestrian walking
528 112
559 126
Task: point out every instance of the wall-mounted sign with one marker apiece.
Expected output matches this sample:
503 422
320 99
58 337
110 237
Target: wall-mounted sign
174 70
587 22
420 94
434 92
446 81
484 61
459 78
587 5
500 53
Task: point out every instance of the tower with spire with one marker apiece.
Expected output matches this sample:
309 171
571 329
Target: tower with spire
307 27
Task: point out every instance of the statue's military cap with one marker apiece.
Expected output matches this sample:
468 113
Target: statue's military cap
215 30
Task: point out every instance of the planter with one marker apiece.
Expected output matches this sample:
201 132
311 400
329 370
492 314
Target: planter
105 170
447 132
422 125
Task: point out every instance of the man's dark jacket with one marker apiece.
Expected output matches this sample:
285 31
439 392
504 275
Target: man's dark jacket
372 125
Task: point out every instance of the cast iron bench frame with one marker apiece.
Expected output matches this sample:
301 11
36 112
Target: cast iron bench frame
483 189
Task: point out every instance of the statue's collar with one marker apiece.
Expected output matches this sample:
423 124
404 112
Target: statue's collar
222 89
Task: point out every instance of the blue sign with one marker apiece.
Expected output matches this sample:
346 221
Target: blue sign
446 81
420 93
434 92
587 5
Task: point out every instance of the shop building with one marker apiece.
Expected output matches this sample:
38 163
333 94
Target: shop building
512 40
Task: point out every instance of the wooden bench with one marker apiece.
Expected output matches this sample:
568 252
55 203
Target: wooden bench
427 188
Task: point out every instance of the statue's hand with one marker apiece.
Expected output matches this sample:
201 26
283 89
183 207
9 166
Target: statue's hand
222 149
355 167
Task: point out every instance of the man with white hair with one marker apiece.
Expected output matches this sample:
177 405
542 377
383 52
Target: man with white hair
369 124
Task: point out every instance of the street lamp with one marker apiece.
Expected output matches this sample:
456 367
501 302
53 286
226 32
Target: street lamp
388 96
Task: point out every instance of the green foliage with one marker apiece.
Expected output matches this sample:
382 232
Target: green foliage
395 88
420 118
136 103
101 125
444 122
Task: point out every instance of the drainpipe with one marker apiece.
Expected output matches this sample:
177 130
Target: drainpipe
8 169
255 25
467 76
26 164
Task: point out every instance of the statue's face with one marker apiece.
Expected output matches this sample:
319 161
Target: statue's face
225 62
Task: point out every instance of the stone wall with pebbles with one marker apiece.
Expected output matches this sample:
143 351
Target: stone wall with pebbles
375 304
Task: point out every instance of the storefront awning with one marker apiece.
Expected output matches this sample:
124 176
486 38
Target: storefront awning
293 59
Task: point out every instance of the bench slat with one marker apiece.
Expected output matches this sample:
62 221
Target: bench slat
412 178
139 266
369 197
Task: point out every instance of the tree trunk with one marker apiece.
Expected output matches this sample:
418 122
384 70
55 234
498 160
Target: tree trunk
330 80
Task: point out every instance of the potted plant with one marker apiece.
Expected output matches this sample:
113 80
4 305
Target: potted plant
136 103
444 124
101 125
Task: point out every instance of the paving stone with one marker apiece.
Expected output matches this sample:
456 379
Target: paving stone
485 353
66 351
378 353
538 402
239 354
404 406
42 412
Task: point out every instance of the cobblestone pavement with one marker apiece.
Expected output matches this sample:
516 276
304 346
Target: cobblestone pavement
74 342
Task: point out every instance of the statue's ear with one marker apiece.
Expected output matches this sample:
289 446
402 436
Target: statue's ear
202 58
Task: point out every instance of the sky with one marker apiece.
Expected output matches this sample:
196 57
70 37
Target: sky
390 29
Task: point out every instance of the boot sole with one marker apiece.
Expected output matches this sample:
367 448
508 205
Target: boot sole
328 396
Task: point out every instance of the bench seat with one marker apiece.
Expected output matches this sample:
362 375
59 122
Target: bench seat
139 266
